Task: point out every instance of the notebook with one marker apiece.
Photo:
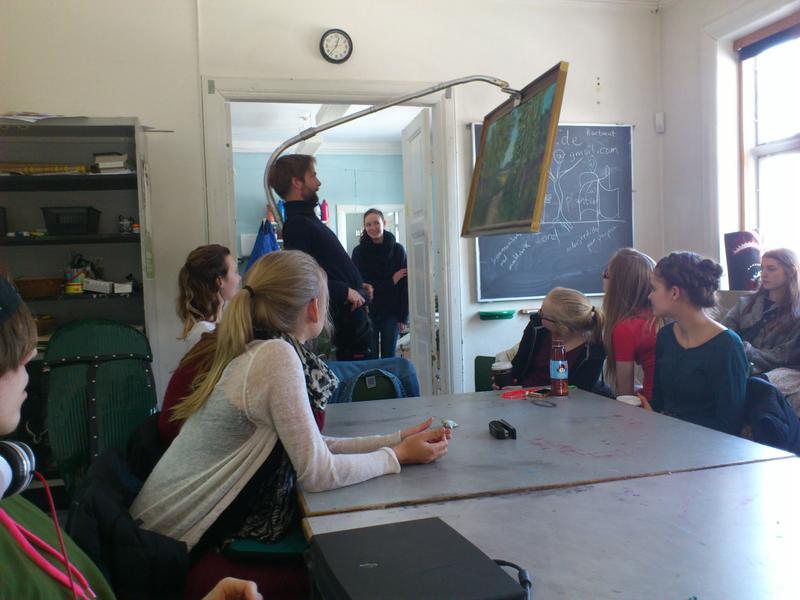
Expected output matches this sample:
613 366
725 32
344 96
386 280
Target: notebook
409 560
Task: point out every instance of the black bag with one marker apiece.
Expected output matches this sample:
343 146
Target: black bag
770 417
406 561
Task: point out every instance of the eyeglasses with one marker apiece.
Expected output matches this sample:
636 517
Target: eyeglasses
543 318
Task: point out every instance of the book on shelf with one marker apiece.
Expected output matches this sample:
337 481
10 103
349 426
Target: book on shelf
110 162
110 157
120 171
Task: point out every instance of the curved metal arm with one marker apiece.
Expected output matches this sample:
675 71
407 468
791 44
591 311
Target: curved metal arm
312 131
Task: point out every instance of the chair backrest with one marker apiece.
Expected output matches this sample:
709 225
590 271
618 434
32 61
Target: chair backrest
483 373
377 379
101 389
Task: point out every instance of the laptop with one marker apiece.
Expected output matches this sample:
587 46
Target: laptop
410 560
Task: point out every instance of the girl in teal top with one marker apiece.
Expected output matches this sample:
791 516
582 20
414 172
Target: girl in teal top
701 369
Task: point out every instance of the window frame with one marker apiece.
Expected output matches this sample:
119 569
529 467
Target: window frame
750 151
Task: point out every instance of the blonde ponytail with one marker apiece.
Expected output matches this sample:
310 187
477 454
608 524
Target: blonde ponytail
278 288
573 312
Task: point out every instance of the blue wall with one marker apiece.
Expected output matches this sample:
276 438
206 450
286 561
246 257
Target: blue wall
346 179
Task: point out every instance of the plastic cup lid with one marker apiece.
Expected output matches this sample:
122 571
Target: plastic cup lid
501 366
632 400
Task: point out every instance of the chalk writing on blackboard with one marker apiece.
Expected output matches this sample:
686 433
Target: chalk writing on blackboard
587 216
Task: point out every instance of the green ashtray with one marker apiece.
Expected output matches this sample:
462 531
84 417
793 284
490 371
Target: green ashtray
494 315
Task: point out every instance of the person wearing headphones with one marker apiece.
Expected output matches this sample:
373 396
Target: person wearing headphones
38 559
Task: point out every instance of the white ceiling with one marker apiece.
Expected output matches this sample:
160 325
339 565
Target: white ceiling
263 126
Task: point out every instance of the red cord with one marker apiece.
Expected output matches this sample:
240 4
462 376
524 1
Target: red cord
58 533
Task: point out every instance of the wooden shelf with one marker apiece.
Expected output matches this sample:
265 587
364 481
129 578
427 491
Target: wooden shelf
50 240
86 296
67 182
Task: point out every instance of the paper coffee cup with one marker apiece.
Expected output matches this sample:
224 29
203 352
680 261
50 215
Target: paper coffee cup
501 374
632 400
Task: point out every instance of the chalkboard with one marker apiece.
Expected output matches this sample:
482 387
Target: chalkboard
587 217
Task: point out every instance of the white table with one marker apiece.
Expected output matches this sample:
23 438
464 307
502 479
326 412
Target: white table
585 439
730 533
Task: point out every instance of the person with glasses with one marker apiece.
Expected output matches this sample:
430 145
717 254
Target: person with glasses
630 328
569 316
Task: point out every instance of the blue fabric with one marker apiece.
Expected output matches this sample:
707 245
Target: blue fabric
349 371
266 242
385 327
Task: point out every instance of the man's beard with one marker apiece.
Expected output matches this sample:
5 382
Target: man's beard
309 195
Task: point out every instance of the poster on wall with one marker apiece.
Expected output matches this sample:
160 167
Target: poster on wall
510 176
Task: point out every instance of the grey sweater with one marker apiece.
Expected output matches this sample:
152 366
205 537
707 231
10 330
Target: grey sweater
260 398
765 346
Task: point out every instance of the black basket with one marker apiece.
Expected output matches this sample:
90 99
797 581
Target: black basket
71 220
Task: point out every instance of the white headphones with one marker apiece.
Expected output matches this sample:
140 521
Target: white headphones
17 464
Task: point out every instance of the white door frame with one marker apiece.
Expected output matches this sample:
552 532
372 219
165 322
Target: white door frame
217 92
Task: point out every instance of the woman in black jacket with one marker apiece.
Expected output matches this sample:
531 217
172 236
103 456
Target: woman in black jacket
569 316
382 263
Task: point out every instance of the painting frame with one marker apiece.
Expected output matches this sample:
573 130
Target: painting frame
557 77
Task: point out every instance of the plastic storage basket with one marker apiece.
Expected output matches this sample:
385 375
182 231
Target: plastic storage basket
71 220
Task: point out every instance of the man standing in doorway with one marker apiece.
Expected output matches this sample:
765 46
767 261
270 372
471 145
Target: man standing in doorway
294 178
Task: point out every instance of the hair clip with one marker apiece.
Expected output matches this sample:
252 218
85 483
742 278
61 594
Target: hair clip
502 429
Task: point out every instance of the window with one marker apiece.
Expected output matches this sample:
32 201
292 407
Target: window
770 138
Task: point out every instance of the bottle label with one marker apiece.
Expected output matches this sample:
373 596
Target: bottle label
559 369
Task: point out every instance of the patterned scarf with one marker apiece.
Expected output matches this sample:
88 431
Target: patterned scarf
275 510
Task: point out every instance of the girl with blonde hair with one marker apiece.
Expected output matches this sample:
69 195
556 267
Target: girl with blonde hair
630 328
250 433
569 316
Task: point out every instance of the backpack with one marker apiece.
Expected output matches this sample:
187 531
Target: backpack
770 417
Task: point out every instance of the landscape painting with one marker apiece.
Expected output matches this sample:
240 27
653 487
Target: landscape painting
510 176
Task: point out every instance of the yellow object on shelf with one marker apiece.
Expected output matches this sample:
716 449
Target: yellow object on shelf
24 168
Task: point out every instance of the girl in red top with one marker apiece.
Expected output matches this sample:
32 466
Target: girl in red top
630 329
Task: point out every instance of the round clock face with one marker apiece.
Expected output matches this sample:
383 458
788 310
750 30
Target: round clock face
336 46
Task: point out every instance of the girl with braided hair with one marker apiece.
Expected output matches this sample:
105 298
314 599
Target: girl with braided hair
701 368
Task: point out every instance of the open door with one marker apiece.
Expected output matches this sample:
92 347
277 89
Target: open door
418 193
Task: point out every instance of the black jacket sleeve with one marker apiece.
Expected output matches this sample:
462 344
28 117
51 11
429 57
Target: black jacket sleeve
527 348
402 285
587 374
294 239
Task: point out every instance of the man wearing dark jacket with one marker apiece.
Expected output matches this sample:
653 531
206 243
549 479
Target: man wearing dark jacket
294 178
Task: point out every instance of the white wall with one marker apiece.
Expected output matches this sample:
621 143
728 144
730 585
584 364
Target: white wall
417 40
700 158
115 58
141 58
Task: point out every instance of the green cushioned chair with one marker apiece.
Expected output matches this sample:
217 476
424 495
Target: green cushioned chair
483 373
101 389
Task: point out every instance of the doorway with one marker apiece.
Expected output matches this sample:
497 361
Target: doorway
221 94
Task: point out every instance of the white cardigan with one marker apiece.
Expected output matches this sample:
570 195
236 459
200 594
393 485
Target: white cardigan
260 398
